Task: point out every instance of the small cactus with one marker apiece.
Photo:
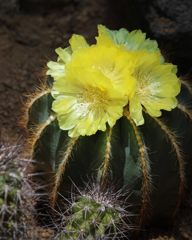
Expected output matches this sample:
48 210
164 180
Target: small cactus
96 213
14 189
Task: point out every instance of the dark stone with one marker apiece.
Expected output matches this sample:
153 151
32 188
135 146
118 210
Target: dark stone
9 6
171 24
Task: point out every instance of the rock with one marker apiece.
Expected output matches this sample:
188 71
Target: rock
8 6
171 22
168 19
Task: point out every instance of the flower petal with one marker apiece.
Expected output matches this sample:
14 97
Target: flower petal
64 54
56 69
66 121
135 110
63 104
152 112
103 38
77 41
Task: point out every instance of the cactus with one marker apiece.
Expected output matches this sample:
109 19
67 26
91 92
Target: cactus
10 192
15 192
142 140
95 213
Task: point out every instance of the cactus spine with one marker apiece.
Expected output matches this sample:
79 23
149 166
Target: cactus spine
152 160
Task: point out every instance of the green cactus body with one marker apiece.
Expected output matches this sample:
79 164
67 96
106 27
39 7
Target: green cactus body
95 214
90 218
153 160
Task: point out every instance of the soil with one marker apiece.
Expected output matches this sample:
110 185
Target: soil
29 35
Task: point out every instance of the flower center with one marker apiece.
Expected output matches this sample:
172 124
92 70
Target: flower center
94 99
146 86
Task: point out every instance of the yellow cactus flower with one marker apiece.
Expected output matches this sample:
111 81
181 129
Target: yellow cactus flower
90 85
93 83
85 101
112 61
157 86
107 57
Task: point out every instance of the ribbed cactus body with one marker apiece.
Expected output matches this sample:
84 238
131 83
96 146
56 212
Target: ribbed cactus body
153 161
91 219
96 213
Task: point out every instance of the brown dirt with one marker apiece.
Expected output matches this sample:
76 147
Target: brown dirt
27 41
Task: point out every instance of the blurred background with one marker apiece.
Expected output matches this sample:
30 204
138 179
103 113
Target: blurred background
31 30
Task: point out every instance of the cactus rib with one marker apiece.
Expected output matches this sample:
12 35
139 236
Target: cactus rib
146 188
186 83
185 109
105 165
175 143
61 170
37 132
31 98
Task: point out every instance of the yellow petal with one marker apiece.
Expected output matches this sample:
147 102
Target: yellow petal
55 66
103 37
74 132
102 124
162 70
66 121
83 126
152 112
95 125
64 86
114 113
135 110
160 103
63 104
175 102
77 41
64 54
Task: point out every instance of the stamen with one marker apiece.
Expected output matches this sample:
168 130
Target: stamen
94 99
146 87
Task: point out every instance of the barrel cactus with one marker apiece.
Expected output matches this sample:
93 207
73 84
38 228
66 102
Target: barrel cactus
118 112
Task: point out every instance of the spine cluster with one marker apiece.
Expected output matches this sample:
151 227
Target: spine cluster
96 213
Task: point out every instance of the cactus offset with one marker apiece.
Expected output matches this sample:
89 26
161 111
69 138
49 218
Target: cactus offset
96 213
74 132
